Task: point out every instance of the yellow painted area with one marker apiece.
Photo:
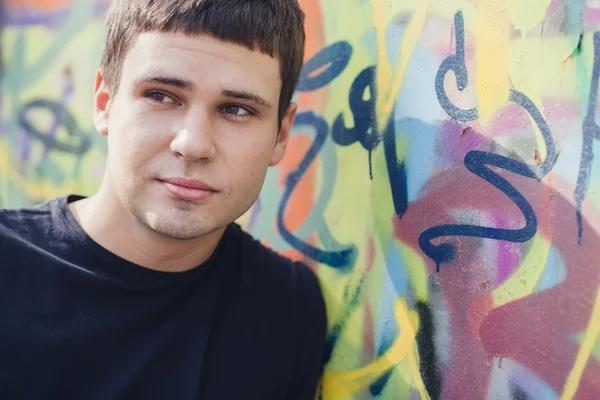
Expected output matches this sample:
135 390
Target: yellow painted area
492 25
595 349
332 284
416 270
542 68
350 196
342 385
384 72
338 290
407 47
359 15
585 351
35 189
522 282
530 83
525 15
382 205
387 90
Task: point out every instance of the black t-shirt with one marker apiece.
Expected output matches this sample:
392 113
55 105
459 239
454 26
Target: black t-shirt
79 322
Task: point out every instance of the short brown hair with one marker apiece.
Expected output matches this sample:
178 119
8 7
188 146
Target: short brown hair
273 27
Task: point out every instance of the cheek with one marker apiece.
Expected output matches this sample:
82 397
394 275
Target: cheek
136 139
249 163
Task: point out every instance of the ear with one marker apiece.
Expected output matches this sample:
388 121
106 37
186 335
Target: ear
101 104
284 134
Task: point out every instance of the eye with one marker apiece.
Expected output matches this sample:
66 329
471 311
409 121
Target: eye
160 97
236 111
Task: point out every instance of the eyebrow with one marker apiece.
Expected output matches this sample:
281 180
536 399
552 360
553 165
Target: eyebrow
190 86
237 94
168 81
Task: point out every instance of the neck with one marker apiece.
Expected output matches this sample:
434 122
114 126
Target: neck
107 222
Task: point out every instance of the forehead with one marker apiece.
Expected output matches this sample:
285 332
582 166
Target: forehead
203 60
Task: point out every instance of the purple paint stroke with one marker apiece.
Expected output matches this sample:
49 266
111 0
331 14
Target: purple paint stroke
508 254
510 120
25 17
455 140
53 19
67 92
254 213
23 149
554 6
591 17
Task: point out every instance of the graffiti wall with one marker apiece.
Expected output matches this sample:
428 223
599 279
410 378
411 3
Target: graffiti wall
441 181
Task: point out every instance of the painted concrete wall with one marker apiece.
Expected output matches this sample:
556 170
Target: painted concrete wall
441 180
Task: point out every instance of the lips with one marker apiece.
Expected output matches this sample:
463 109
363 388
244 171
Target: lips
187 189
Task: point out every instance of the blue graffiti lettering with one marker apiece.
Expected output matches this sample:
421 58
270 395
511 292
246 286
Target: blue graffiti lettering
336 259
477 162
335 57
591 132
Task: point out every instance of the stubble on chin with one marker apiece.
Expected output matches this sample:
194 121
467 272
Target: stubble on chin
175 224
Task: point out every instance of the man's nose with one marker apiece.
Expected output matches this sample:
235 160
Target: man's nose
195 140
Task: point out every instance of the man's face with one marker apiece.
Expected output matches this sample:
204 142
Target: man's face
191 131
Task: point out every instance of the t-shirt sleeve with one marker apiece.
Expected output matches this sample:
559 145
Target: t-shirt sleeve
311 335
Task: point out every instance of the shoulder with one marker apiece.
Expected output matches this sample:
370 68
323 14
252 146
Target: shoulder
291 303
280 306
23 230
278 278
24 221
261 262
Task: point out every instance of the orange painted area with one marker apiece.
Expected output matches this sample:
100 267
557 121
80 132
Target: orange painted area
39 4
298 207
315 41
303 198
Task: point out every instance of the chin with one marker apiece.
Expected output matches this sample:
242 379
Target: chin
181 226
184 231
179 234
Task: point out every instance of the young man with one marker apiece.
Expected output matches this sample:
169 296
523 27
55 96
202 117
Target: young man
147 289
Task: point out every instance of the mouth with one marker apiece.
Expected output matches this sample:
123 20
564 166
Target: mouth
187 189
